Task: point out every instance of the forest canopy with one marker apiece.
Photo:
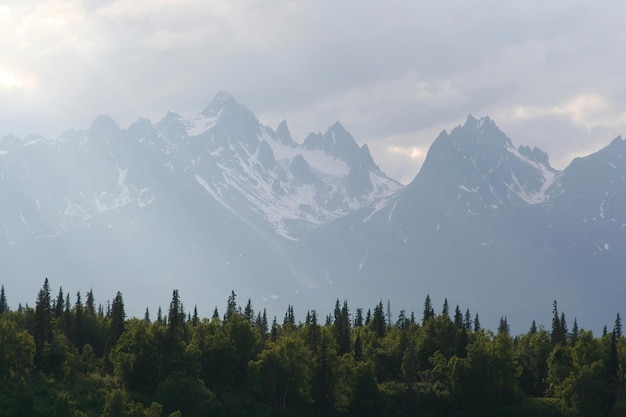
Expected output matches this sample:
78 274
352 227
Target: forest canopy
68 356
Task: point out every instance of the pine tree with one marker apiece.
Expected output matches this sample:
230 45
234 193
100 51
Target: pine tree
358 319
428 313
4 307
445 311
503 328
146 316
378 321
159 316
42 327
533 328
77 326
90 303
264 323
231 307
458 318
341 328
274 331
476 323
313 333
617 329
574 337
118 321
403 322
59 305
175 318
467 323
563 330
248 312
195 320
557 336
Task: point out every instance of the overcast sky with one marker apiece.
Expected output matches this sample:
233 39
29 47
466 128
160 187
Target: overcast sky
395 73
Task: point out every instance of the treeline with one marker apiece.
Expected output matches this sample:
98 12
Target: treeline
68 358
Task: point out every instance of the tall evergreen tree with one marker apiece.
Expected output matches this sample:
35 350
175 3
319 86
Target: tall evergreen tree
476 323
467 322
195 320
504 328
248 312
428 313
458 318
90 303
341 328
118 321
42 327
378 321
4 307
176 318
557 336
77 325
274 330
574 336
313 333
231 307
617 329
358 318
445 311
59 305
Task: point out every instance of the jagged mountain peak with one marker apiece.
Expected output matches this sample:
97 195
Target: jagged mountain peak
337 141
284 135
104 125
478 160
223 103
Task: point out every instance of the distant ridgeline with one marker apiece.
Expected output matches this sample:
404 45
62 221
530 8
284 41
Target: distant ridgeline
68 356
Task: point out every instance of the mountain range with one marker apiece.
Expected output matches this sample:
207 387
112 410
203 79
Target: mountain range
219 201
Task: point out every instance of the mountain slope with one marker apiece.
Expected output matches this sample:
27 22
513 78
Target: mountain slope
484 223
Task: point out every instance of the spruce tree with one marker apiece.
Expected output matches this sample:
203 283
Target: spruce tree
467 322
4 307
159 316
428 313
358 319
458 318
175 318
248 312
231 306
574 336
90 303
118 321
59 305
617 329
476 323
77 325
42 327
378 321
195 320
503 328
445 311
557 336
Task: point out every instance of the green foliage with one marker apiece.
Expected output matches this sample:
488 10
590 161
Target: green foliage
69 359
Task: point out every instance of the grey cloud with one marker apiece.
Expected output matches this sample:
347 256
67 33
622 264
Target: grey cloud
392 73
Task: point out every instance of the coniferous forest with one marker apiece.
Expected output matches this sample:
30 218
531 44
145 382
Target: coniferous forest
68 356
